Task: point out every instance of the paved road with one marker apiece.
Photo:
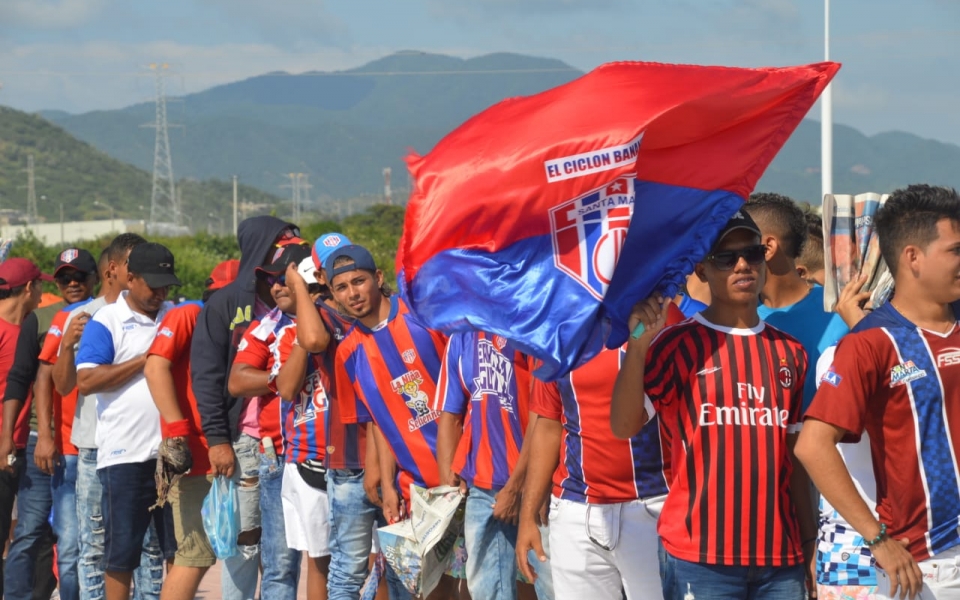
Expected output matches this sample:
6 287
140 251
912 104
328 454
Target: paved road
210 586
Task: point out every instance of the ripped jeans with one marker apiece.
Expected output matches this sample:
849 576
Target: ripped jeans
147 578
238 580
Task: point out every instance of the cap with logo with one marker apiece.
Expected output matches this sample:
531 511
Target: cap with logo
154 263
291 253
307 270
75 258
359 256
15 272
741 220
326 244
223 274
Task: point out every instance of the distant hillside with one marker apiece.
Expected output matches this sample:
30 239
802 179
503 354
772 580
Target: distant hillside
79 176
342 128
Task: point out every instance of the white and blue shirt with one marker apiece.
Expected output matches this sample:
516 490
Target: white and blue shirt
128 422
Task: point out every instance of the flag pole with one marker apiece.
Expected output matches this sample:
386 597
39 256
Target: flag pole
826 121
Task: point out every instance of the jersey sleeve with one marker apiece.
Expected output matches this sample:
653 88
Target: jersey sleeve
173 336
660 374
96 346
281 349
451 397
846 386
50 349
252 350
545 400
352 409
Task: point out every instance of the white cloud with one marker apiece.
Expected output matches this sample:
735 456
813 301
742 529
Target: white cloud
49 14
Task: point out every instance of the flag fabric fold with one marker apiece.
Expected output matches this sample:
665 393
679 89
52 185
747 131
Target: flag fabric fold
545 218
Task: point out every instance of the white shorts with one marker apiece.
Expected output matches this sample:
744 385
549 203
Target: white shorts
599 549
305 514
941 578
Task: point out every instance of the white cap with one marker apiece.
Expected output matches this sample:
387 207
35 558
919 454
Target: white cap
306 268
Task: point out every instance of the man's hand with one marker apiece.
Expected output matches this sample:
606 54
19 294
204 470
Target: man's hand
7 448
851 301
45 455
222 459
391 505
652 314
506 505
528 538
71 337
371 485
905 575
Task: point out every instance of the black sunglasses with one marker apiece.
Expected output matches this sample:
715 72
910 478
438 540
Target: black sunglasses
728 259
71 276
273 280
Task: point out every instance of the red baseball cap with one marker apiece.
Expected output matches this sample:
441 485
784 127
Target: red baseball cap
15 272
223 274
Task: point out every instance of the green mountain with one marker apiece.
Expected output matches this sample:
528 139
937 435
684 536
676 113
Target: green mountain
88 183
342 128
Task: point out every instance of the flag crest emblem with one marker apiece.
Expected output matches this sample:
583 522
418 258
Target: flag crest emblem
589 233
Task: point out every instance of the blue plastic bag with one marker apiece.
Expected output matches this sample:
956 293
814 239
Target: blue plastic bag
221 517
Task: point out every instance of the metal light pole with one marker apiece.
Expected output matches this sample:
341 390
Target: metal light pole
826 120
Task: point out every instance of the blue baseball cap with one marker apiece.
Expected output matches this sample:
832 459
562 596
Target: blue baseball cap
324 246
360 259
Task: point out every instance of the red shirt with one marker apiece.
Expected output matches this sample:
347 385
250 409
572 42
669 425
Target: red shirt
254 350
901 384
595 466
727 400
173 343
8 347
64 407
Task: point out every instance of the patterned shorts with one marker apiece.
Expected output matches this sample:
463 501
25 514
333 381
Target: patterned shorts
846 592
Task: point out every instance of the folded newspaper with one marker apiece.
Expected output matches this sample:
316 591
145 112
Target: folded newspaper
852 249
422 548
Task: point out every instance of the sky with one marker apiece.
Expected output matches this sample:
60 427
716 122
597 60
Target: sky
900 58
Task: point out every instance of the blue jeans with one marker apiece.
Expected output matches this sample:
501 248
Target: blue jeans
147 578
491 549
715 582
66 526
352 517
281 565
238 579
34 501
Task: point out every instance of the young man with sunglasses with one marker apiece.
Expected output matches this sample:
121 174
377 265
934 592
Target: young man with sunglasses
727 389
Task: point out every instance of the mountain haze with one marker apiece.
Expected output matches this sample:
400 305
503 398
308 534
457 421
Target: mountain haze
343 128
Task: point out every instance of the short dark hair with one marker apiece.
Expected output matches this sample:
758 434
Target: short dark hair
784 216
342 260
910 216
12 292
122 244
812 255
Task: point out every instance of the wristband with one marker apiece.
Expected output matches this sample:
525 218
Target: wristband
880 537
638 331
179 428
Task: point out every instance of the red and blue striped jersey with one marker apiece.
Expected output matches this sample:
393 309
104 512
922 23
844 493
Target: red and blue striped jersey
486 379
346 444
389 376
595 466
254 350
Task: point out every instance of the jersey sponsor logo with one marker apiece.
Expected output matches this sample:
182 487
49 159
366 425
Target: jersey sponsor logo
831 377
708 371
408 356
499 341
494 375
165 332
904 373
408 387
785 375
68 256
588 234
744 415
54 331
312 399
595 161
949 356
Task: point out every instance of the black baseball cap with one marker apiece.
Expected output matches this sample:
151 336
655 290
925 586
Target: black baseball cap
153 262
360 257
291 253
741 220
75 258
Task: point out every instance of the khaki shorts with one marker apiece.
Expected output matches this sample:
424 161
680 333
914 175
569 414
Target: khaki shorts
193 547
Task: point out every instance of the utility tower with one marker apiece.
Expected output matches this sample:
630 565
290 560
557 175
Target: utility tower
299 187
387 194
164 203
31 193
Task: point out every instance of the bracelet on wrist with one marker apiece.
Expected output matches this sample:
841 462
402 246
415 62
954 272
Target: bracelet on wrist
880 537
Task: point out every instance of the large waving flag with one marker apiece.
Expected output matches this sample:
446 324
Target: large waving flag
545 218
